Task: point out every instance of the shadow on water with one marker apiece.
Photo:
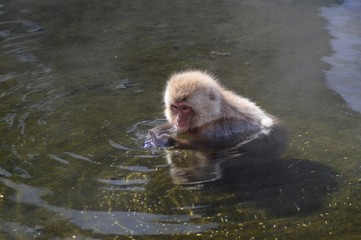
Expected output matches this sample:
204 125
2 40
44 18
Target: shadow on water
286 186
282 187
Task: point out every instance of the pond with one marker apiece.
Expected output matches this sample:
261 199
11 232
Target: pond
81 82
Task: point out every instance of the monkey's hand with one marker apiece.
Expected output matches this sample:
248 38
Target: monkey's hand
163 140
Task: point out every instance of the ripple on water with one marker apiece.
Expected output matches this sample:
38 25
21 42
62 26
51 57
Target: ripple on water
111 222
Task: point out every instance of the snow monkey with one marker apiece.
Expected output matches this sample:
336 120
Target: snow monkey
205 116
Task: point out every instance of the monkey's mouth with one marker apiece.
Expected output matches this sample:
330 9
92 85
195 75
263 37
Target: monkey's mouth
181 126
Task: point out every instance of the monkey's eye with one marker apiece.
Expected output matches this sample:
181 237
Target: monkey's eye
184 108
174 107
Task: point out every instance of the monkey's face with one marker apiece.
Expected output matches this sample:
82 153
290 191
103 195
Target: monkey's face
182 116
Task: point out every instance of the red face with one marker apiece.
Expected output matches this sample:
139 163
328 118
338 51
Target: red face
182 113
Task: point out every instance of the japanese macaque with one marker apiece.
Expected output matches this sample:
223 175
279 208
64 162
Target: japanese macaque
203 115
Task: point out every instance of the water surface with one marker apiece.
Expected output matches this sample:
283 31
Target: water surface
81 82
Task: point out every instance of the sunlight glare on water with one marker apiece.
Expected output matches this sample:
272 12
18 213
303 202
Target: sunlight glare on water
345 74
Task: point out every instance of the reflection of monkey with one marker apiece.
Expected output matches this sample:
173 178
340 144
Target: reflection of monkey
204 116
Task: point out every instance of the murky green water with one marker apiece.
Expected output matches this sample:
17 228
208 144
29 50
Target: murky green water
81 81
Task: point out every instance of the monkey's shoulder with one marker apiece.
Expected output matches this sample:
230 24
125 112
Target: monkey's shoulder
225 127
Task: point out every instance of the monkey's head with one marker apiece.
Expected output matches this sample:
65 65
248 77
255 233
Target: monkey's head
192 99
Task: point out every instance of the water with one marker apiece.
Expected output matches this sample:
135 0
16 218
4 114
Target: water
81 82
345 74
